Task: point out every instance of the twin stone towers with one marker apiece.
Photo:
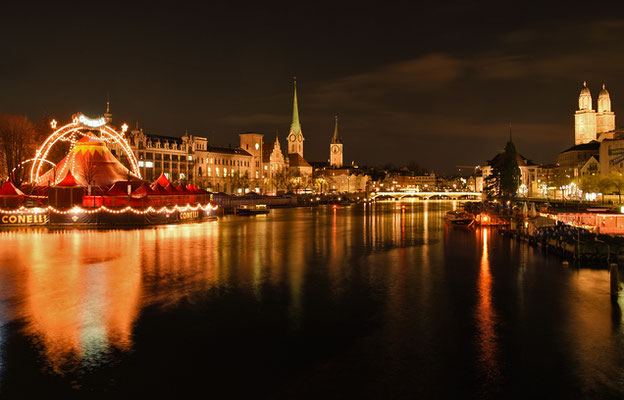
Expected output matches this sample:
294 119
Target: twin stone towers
590 125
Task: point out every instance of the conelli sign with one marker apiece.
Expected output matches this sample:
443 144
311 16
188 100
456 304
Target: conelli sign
24 219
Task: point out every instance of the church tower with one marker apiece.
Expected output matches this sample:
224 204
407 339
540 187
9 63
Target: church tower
295 137
335 148
108 117
584 118
605 119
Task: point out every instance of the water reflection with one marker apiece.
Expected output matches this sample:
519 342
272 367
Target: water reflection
376 300
80 294
486 316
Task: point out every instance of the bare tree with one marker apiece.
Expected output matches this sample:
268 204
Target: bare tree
89 169
17 136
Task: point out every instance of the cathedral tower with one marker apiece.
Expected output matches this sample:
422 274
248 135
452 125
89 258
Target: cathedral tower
605 119
335 148
295 137
584 118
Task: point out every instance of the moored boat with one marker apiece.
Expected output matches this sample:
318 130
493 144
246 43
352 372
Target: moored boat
459 218
254 209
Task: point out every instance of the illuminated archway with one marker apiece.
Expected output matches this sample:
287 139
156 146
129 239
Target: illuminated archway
79 127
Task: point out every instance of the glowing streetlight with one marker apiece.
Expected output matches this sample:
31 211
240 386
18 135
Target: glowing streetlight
53 124
124 128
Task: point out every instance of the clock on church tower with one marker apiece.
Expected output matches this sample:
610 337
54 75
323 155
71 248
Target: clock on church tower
335 148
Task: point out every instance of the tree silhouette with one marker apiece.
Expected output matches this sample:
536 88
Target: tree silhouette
17 137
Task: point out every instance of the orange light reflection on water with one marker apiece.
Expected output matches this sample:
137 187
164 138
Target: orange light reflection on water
486 316
80 295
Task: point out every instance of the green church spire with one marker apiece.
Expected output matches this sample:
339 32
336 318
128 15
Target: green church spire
295 126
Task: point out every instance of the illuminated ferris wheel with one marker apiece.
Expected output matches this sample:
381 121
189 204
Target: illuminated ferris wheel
80 127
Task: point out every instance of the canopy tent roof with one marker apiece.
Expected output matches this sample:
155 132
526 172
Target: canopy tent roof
162 180
68 181
8 189
157 189
193 188
143 190
89 160
182 189
118 189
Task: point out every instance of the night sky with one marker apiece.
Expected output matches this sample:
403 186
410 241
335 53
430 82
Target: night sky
435 82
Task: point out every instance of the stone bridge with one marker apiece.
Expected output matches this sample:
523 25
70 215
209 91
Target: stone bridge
427 195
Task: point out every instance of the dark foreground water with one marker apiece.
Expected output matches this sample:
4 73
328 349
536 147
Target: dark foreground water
361 302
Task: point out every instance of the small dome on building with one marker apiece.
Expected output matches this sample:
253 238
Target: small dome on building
604 92
585 100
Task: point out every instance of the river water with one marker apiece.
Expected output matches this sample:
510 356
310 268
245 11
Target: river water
366 301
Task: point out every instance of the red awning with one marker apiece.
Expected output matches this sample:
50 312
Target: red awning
68 181
8 189
181 189
158 189
118 189
193 188
170 188
162 180
143 190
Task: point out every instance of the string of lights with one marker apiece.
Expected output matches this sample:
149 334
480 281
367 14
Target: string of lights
83 126
128 209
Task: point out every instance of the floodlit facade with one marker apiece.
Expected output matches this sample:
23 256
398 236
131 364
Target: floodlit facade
590 125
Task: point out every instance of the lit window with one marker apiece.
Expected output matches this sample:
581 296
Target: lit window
208 171
141 164
149 164
190 158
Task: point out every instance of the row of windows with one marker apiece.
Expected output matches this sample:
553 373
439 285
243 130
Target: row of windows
158 164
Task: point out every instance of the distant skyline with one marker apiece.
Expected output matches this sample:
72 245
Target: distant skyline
435 83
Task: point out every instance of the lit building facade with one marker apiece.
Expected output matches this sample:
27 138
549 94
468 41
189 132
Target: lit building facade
590 125
342 180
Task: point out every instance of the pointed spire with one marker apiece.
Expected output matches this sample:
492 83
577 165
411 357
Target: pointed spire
107 115
336 138
295 126
584 83
604 86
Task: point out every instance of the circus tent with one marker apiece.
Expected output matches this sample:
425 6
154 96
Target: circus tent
89 161
10 195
